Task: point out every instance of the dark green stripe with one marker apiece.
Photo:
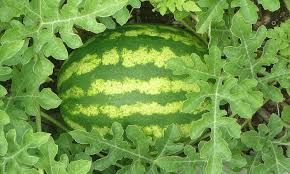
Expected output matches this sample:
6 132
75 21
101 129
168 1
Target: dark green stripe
100 45
113 72
137 119
116 71
128 98
163 29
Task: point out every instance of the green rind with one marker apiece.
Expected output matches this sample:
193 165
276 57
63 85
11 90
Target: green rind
117 72
131 43
136 119
149 37
102 42
126 99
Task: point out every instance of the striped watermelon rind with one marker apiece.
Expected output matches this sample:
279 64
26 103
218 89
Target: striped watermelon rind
122 76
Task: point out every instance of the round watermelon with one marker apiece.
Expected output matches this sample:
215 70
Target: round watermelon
123 76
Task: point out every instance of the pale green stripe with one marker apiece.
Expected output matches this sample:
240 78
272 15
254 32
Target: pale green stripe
152 130
89 63
158 131
73 92
85 65
153 86
130 58
125 110
145 55
187 39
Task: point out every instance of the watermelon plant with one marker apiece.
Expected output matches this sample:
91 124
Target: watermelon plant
89 86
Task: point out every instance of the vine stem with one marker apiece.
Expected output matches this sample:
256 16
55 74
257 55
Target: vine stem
38 129
250 125
54 121
38 121
203 136
193 31
245 123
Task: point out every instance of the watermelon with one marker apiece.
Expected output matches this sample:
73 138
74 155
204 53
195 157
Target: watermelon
123 76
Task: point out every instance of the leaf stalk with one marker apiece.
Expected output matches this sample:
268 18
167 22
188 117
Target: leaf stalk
54 121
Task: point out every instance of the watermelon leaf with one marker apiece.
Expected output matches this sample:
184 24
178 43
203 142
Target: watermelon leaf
43 19
246 67
17 154
212 11
217 87
79 166
268 148
271 5
122 16
8 50
227 88
25 86
118 148
48 163
138 149
175 6
177 164
285 116
48 99
247 9
4 120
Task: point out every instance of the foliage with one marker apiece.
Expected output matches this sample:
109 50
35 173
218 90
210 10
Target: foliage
145 154
243 70
180 8
267 148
